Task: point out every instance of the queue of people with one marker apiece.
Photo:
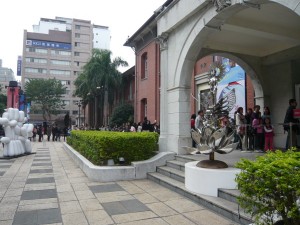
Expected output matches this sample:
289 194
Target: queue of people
254 130
54 133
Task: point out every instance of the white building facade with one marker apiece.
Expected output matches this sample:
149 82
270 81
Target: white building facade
249 32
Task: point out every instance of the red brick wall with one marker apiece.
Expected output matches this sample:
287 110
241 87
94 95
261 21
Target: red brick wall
249 93
148 88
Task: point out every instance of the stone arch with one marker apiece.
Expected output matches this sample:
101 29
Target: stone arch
190 38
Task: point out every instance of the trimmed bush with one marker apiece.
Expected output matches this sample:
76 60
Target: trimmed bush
270 186
99 146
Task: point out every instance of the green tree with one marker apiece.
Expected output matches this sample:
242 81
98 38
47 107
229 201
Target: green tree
122 114
99 81
46 95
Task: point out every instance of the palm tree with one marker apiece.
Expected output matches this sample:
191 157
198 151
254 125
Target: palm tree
99 79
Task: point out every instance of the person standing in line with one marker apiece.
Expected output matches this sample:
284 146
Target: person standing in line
65 132
256 112
193 120
40 133
145 124
54 131
266 114
199 120
240 126
259 133
139 127
269 134
291 140
250 134
49 130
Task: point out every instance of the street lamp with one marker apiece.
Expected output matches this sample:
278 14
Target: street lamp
79 107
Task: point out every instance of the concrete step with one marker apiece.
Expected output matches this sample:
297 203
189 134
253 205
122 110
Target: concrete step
187 158
221 206
229 194
176 165
171 172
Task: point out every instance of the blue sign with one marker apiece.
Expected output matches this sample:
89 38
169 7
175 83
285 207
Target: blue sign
48 44
22 102
19 66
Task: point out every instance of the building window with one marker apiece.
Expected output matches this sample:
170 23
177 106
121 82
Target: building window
66 102
35 70
35 60
76 53
37 50
75 112
143 108
77 44
65 82
60 62
75 73
77 63
77 35
144 66
60 72
77 27
57 52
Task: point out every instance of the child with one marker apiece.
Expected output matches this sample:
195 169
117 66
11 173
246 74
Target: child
269 134
259 133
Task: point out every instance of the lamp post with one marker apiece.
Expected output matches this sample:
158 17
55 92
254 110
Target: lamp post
79 108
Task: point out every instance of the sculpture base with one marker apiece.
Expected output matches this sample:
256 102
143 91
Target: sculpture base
212 164
208 181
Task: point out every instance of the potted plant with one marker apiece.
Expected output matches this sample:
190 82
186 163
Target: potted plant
270 188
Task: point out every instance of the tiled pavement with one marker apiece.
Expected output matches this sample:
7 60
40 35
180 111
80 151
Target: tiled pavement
48 188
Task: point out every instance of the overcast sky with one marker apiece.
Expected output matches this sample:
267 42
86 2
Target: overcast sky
123 17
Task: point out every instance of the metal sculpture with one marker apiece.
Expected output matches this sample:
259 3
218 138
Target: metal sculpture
213 137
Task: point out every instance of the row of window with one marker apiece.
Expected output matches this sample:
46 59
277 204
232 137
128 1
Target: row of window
63 82
44 71
44 61
53 52
52 61
45 51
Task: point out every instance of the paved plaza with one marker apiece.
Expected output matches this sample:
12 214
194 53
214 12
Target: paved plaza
49 188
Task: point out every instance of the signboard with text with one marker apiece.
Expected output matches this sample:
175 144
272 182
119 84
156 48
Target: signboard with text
48 44
19 65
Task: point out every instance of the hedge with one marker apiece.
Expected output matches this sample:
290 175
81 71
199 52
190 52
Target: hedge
99 146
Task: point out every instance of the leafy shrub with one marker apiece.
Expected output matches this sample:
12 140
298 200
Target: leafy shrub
271 186
99 146
122 114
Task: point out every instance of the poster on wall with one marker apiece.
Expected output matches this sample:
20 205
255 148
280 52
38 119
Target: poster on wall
233 84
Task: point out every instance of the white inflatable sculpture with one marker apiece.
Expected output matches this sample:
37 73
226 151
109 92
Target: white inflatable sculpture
16 140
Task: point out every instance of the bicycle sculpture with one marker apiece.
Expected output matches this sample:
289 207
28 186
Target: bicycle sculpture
213 137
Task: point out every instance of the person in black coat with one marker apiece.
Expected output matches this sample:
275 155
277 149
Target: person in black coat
291 140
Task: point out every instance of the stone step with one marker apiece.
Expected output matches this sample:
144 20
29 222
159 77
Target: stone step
176 165
221 206
229 194
171 172
187 158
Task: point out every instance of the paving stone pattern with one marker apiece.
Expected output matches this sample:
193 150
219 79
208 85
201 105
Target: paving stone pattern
49 188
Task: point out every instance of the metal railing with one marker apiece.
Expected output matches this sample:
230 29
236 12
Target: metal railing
290 125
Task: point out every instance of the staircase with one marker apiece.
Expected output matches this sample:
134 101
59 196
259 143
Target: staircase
172 176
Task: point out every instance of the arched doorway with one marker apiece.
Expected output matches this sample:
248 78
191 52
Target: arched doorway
251 32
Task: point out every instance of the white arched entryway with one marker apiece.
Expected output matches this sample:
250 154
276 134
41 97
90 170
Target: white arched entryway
252 33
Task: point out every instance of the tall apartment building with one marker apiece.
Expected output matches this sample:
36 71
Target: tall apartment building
6 75
59 48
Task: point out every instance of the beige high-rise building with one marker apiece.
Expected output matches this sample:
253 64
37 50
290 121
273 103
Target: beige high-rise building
59 48
6 75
